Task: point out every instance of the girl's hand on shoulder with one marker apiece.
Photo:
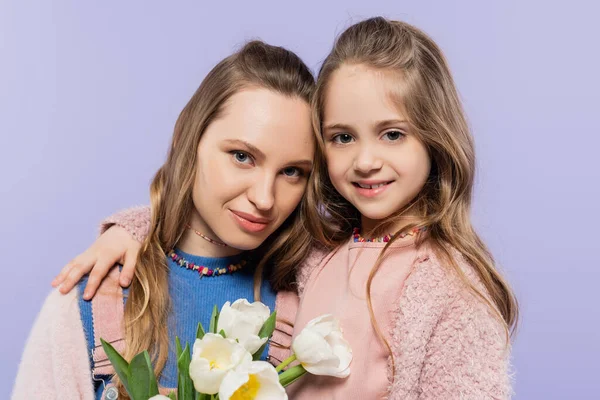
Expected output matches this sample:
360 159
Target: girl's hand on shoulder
115 246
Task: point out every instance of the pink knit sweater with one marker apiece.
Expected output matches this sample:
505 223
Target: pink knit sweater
445 341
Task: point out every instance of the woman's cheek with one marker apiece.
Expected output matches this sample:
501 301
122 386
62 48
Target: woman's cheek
289 197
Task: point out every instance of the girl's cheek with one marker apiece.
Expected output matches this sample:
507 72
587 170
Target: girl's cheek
333 171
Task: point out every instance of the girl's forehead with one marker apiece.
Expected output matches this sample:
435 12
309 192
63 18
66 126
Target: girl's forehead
357 93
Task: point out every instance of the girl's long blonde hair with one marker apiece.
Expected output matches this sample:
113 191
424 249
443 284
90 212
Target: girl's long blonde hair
427 95
257 64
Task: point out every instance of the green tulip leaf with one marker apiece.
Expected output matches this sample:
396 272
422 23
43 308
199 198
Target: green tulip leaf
185 386
142 382
265 332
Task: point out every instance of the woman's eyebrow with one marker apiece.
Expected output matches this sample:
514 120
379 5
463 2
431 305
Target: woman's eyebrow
255 150
307 163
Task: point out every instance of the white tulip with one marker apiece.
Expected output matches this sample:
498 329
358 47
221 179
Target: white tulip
213 356
242 321
321 348
254 380
159 397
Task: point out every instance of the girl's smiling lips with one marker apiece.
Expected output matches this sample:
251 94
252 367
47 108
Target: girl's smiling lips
249 222
371 188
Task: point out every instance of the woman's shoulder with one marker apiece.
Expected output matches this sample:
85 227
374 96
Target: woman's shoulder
55 359
59 307
57 322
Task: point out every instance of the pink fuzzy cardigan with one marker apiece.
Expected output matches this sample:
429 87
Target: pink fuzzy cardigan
446 343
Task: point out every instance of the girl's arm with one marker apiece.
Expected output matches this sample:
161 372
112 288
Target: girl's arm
119 243
447 342
467 356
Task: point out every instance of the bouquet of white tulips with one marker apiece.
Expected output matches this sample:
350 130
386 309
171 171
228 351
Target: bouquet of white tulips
224 364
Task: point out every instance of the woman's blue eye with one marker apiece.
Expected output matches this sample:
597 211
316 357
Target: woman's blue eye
292 172
342 138
393 135
241 157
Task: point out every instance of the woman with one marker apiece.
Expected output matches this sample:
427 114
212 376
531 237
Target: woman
226 187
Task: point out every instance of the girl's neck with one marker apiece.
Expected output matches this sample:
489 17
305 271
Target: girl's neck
375 228
193 243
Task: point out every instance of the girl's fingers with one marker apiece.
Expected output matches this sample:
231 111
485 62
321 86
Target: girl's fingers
128 270
98 273
63 273
79 269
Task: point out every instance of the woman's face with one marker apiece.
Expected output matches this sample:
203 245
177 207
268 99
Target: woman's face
252 167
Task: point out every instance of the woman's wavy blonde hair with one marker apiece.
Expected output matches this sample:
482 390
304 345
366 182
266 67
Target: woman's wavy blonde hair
257 64
426 93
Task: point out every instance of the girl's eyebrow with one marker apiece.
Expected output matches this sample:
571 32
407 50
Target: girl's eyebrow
390 122
378 125
336 126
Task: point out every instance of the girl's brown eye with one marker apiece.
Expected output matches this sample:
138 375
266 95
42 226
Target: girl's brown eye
342 138
393 135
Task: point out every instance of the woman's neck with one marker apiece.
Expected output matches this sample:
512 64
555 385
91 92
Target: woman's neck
193 243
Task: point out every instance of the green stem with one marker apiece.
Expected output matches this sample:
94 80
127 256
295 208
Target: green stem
291 375
285 363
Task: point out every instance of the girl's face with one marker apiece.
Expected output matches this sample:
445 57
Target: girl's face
373 159
252 167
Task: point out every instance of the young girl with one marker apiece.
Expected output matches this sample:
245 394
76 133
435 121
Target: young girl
424 309
226 186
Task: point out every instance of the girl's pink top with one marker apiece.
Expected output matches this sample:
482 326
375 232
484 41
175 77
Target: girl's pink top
338 286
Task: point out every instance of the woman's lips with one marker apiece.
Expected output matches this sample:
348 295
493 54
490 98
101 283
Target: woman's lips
249 222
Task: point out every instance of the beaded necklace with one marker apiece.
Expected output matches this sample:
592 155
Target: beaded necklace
203 236
205 271
384 239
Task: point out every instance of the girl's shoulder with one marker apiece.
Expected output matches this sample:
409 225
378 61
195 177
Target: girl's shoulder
434 275
445 336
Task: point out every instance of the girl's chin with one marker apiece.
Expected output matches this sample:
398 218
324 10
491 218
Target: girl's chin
374 216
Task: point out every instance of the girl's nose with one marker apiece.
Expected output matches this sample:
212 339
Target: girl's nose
367 160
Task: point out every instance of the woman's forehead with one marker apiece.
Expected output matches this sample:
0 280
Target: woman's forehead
278 126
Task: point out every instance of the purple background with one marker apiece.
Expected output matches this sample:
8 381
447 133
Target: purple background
89 94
